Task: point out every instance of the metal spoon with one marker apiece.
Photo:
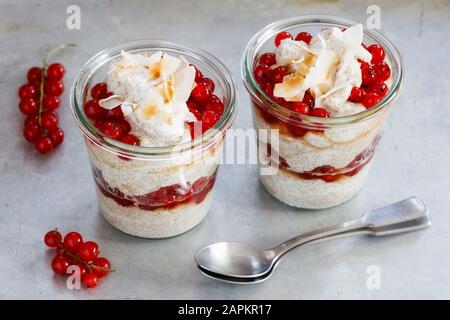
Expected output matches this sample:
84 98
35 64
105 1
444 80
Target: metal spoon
238 262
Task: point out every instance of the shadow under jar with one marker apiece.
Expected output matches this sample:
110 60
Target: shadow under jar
154 192
320 162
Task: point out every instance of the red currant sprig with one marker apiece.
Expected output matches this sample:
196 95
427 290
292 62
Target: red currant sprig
39 99
72 250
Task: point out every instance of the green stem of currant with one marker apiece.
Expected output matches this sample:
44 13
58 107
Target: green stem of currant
44 70
88 264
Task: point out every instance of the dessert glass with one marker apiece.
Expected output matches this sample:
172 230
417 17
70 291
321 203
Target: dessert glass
320 162
154 192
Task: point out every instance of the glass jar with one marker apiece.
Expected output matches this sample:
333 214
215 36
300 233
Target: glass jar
154 192
320 162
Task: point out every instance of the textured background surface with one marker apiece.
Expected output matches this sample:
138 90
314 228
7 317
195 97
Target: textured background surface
39 192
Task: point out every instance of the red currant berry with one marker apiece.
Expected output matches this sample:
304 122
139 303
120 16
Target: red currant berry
60 265
53 238
370 99
60 251
55 71
72 241
28 107
377 53
126 127
103 265
49 120
378 86
281 36
368 74
112 129
31 120
130 139
27 91
115 113
209 120
88 251
32 133
201 93
198 74
278 74
83 268
50 102
209 83
383 71
355 95
319 112
34 74
53 88
99 91
36 85
263 74
268 59
309 100
215 106
57 136
268 89
93 110
44 145
304 36
90 280
299 107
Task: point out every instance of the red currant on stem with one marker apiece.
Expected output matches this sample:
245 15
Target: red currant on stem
49 120
38 98
72 241
44 145
90 280
55 71
88 251
53 238
209 83
101 266
60 265
34 74
56 135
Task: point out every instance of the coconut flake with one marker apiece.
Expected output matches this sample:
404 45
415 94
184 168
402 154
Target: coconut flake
111 102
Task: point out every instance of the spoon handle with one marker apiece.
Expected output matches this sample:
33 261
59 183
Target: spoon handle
408 215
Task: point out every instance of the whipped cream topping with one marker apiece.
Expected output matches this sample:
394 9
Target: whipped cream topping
152 91
328 67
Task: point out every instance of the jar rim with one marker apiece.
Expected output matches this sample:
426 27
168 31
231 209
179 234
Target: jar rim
89 69
266 33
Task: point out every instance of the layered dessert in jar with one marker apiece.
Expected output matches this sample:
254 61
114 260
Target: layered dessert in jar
324 84
154 122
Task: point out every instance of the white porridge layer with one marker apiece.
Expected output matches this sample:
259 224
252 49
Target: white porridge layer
138 177
160 223
315 150
313 194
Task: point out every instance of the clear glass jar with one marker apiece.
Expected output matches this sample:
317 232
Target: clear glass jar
321 162
148 191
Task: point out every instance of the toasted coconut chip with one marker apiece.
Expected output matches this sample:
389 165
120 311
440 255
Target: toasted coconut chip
111 102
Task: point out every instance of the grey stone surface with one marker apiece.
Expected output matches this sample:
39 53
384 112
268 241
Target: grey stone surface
39 192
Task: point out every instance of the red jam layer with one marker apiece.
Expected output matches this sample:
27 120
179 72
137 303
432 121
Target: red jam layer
167 197
328 173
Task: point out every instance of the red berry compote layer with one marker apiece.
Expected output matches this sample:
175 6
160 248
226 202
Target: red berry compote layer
155 100
331 74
